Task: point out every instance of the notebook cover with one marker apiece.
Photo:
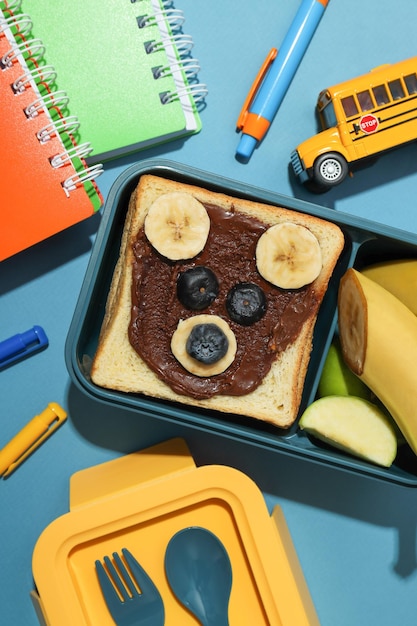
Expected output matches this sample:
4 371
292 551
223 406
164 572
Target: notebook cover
98 51
34 202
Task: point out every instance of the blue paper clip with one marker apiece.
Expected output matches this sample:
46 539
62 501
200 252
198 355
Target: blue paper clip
22 345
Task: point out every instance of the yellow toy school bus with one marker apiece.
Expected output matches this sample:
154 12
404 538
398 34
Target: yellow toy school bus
361 118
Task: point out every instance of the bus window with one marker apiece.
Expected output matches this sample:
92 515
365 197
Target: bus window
411 83
349 106
396 89
381 95
329 116
365 100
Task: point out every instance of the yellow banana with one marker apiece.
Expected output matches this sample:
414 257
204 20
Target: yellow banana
288 255
399 276
378 336
177 225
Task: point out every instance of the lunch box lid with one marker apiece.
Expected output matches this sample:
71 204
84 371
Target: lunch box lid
139 501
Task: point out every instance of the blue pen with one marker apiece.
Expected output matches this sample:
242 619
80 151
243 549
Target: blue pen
275 77
22 345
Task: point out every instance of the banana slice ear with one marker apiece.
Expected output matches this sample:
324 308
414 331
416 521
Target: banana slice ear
214 341
288 255
177 225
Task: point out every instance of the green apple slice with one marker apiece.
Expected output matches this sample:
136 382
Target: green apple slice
337 379
353 425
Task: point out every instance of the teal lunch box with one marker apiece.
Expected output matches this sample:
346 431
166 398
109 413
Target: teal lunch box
365 242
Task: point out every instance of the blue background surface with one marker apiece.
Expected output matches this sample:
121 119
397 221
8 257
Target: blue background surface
355 536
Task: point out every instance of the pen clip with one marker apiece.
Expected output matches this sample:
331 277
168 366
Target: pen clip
55 416
255 85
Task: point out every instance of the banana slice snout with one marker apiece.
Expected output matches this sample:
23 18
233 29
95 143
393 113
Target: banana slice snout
205 345
288 255
177 225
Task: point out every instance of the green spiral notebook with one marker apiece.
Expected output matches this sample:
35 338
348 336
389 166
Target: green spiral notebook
126 68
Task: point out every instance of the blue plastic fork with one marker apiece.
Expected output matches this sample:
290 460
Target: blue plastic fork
137 601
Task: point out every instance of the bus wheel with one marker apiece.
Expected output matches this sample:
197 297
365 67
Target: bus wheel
330 169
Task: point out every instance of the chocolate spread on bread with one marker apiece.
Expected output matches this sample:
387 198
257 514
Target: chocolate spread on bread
230 254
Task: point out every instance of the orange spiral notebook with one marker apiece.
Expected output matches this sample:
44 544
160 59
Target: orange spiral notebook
45 183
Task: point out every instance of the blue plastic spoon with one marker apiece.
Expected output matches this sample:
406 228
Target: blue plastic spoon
200 574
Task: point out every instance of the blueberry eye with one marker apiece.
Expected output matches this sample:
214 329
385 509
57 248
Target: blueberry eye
246 303
207 343
197 288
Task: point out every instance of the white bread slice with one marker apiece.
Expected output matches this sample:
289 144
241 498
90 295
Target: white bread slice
116 364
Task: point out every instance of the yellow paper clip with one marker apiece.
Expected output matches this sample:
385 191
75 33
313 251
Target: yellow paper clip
31 437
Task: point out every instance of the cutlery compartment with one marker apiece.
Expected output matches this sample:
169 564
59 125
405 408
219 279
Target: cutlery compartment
139 501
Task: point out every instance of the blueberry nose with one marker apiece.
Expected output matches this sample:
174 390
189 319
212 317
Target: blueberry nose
207 343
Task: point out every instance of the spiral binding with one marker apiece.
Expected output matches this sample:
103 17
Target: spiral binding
21 23
53 100
167 4
190 67
89 173
69 124
198 92
35 51
12 5
45 75
175 17
30 53
181 66
183 43
81 151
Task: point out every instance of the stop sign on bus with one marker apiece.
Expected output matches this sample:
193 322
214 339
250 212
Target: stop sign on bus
369 123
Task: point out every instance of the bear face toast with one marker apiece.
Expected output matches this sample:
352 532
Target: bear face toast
213 301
